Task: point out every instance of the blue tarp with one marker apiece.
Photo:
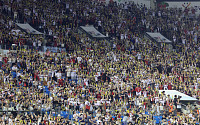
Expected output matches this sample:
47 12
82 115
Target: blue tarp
14 74
70 81
158 119
146 113
46 90
54 49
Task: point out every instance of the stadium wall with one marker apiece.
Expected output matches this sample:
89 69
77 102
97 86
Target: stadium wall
146 2
170 3
190 4
183 4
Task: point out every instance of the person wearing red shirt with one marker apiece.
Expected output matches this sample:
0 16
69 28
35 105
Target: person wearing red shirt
169 86
161 87
60 81
5 59
99 95
138 90
118 47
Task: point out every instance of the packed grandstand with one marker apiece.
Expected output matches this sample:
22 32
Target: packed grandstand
53 72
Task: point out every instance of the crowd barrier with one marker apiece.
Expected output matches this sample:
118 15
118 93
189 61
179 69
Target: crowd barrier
5 49
69 115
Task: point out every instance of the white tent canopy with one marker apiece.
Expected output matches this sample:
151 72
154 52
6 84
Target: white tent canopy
28 28
158 37
92 32
172 93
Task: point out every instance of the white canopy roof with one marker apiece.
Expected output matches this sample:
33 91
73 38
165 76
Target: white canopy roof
92 32
28 28
158 37
172 93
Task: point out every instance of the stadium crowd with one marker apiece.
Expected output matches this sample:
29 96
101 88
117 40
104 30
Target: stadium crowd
97 83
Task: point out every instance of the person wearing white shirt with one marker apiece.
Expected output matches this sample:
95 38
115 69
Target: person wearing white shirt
58 75
145 94
79 59
73 74
99 122
139 56
125 118
87 104
10 121
198 80
86 81
19 74
156 99
69 73
6 78
114 46
39 44
165 87
9 60
53 72
34 44
99 23
75 115
14 68
81 105
98 102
